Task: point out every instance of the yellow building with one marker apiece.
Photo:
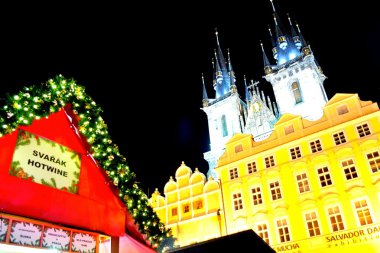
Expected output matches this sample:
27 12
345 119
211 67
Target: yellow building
312 186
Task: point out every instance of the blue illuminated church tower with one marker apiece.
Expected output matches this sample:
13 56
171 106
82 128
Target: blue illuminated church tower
297 82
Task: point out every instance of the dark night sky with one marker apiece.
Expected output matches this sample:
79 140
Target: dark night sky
142 63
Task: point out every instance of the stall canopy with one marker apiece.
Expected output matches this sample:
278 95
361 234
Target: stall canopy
47 190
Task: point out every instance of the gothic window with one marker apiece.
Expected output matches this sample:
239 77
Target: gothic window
374 161
296 92
224 126
363 130
303 183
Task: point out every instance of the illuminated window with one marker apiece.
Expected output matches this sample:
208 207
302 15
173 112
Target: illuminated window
362 211
283 230
335 217
238 201
174 211
339 138
256 196
374 161
342 109
198 204
262 231
295 152
296 92
234 173
303 183
289 129
269 161
349 169
224 126
186 208
238 148
275 190
324 176
315 146
312 224
363 130
251 167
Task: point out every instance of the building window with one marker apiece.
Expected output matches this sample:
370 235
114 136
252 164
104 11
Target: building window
224 126
198 205
269 161
312 224
283 230
374 161
238 148
251 167
324 176
339 138
342 109
362 211
349 169
363 130
186 208
275 190
234 173
296 92
174 211
295 152
238 201
289 129
256 196
315 146
303 183
335 217
262 231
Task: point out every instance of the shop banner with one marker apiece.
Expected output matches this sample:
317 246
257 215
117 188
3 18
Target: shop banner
83 243
25 233
45 162
4 222
56 238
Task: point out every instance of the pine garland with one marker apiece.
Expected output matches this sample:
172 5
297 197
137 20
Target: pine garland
38 102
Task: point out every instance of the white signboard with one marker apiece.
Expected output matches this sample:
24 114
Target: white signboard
4 223
83 243
45 162
25 233
56 238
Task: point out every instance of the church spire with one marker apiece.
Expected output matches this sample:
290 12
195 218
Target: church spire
205 97
267 67
247 93
231 71
223 78
295 36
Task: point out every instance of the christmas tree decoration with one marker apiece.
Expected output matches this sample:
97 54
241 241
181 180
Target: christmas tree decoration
36 102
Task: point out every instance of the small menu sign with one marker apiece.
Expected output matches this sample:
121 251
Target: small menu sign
25 233
4 223
83 242
56 238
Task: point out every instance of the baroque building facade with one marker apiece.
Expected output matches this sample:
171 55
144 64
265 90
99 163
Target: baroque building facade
303 171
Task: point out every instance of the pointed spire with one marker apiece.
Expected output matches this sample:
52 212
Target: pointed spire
231 71
296 38
247 94
305 47
293 31
274 10
267 68
205 97
217 38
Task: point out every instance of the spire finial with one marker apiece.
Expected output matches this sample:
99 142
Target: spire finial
216 34
290 21
270 31
203 79
274 10
298 28
275 19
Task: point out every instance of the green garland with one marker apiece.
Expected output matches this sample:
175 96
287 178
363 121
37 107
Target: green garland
37 102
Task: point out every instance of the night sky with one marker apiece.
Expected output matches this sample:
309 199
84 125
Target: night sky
142 63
